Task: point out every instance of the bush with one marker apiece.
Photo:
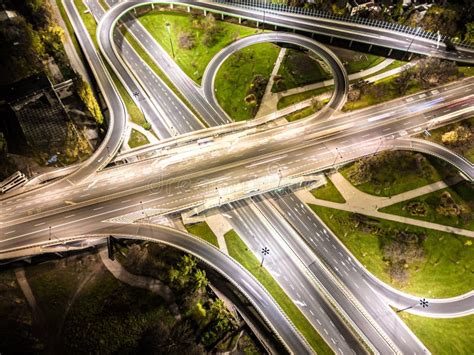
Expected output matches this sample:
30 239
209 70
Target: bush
87 96
404 248
417 208
186 40
447 206
457 136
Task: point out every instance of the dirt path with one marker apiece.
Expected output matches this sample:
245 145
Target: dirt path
38 316
153 285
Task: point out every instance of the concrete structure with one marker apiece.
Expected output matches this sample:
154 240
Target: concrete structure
39 112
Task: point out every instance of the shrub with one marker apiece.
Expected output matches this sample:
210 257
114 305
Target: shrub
186 40
416 208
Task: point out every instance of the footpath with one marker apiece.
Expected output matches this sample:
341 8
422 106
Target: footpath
363 203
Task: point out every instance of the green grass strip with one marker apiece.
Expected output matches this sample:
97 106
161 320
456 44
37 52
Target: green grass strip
328 192
202 230
137 139
443 335
239 251
296 98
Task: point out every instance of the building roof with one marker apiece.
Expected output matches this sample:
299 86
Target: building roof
25 87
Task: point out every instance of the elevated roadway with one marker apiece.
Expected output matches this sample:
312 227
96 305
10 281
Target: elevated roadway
84 207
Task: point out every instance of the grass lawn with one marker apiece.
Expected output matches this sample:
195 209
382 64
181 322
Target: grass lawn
239 251
467 71
328 192
393 172
193 61
298 68
137 139
295 98
443 335
445 271
297 115
464 148
462 194
203 231
53 301
393 65
362 62
236 75
112 316
389 91
17 328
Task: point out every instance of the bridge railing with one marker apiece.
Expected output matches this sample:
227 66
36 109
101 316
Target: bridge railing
275 7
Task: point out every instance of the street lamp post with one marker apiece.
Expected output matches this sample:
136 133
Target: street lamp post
137 96
413 39
168 25
423 303
143 212
265 251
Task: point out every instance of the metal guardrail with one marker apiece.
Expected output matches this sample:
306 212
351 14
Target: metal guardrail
418 32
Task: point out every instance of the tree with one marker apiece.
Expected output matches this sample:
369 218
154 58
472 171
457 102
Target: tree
442 19
403 80
469 35
211 29
187 264
434 71
180 339
186 40
457 136
85 93
316 104
200 279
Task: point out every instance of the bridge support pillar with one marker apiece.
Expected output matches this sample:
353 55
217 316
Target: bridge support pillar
258 24
312 34
370 48
331 39
389 52
222 17
409 57
205 12
171 6
110 247
240 20
350 44
294 30
189 9
152 6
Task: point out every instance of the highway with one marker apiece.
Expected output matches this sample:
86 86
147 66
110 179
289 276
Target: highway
371 319
185 176
285 268
344 268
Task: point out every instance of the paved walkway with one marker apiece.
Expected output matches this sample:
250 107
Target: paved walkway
148 283
220 226
325 83
360 199
267 104
360 202
30 297
273 98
